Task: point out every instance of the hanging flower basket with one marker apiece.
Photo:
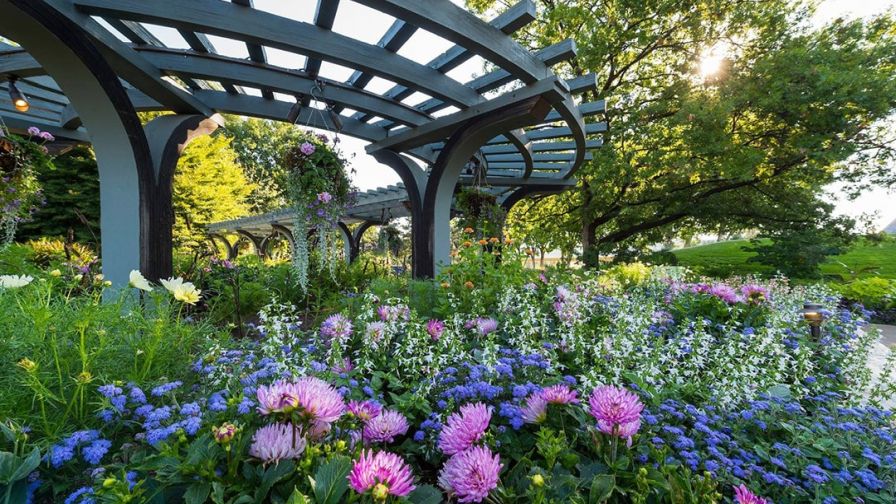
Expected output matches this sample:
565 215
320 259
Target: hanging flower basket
319 190
21 157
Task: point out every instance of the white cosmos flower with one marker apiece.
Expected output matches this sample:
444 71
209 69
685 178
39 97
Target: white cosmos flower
172 283
182 291
137 280
14 281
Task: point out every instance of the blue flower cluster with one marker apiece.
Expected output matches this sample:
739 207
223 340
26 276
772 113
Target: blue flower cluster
92 448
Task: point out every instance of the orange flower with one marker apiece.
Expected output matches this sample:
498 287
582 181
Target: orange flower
468 230
483 241
468 243
508 241
493 239
468 284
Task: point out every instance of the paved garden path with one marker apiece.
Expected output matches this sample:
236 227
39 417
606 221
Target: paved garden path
878 357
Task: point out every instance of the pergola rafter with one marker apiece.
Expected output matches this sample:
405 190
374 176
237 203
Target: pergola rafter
523 124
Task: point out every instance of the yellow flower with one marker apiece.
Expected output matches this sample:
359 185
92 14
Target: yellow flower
445 285
537 480
138 281
84 377
508 241
184 292
28 365
55 273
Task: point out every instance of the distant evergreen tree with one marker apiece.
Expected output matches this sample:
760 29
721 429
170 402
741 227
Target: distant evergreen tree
72 194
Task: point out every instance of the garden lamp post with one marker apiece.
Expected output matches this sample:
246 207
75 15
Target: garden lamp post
812 314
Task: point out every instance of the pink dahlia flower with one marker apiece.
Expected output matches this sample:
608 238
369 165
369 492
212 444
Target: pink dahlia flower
486 326
560 394
336 327
536 409
365 410
754 294
471 474
276 442
465 428
724 292
617 411
314 398
744 496
435 328
382 472
384 428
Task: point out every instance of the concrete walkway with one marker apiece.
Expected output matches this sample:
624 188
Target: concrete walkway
887 334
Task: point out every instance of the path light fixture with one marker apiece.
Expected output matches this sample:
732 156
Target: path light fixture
19 100
813 315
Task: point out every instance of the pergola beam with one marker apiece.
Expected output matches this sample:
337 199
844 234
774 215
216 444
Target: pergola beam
254 26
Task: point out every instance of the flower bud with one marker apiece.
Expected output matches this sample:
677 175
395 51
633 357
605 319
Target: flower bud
537 480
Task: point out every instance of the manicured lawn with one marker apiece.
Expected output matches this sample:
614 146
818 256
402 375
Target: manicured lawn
729 258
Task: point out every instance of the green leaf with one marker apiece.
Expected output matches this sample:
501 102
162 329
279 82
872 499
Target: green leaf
601 488
330 480
297 497
272 475
197 493
425 494
8 465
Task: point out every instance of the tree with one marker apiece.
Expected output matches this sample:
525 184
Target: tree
798 253
750 146
71 190
259 144
209 186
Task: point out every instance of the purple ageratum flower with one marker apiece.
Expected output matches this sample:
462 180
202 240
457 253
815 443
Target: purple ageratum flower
754 294
276 442
312 397
560 394
742 495
471 474
385 427
383 473
435 328
465 428
307 148
365 410
336 327
486 326
617 411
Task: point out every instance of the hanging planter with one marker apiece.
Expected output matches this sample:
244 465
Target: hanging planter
319 191
20 159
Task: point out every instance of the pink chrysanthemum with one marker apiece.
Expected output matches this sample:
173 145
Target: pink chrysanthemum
560 394
385 427
742 495
617 411
536 409
382 472
365 410
465 428
471 474
435 328
486 326
276 442
724 292
314 398
754 294
336 328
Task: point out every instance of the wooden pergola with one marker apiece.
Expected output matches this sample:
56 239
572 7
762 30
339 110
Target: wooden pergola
87 66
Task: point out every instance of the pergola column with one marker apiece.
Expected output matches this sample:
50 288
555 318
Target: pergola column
167 136
348 243
447 169
415 181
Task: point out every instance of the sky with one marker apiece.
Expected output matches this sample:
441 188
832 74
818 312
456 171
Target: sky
365 24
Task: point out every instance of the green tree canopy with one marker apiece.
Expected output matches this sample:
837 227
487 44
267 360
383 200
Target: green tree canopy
790 109
209 186
71 190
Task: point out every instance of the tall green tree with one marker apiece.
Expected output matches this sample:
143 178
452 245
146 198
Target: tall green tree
209 186
259 144
789 109
71 190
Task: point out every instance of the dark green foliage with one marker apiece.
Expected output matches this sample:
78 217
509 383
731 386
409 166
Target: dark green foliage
798 253
71 188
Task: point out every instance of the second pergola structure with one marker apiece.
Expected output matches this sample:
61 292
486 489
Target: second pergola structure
89 65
